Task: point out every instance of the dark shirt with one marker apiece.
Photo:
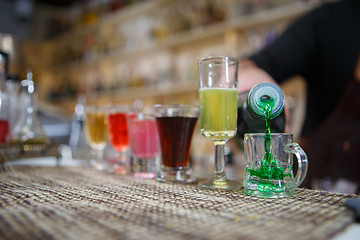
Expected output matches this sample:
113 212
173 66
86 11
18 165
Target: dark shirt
323 47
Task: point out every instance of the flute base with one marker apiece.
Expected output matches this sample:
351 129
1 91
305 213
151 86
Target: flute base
100 165
220 184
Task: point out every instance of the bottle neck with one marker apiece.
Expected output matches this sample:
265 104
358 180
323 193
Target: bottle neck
2 81
265 98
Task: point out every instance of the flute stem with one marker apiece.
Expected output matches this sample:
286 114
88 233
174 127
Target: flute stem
219 161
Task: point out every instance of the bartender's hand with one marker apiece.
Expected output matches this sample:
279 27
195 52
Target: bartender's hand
357 70
250 75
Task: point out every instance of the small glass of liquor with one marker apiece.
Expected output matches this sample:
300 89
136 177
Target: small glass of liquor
144 145
176 124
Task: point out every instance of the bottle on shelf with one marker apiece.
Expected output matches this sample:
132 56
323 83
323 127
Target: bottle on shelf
251 115
13 88
4 101
77 141
28 129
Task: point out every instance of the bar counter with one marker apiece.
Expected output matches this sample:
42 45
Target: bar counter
82 203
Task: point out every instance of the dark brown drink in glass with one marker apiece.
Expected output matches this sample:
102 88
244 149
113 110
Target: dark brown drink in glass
175 139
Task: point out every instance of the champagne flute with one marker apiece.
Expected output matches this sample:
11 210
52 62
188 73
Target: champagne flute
96 134
218 105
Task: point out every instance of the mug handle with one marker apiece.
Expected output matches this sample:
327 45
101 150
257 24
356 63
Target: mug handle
295 149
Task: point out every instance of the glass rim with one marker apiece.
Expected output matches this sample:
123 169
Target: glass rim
271 134
179 106
117 108
175 110
94 107
140 116
232 59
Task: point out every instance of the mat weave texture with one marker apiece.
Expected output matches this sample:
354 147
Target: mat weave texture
79 203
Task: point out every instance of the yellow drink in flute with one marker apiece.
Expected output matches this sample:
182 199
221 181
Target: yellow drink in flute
218 112
96 129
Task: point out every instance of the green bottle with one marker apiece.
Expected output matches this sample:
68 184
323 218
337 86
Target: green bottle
251 111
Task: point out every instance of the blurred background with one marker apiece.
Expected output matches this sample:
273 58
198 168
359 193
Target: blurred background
123 50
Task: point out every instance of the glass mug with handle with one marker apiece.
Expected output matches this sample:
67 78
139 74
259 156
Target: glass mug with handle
269 174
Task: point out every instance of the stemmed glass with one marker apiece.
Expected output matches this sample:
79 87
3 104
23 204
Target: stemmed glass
218 105
96 133
118 134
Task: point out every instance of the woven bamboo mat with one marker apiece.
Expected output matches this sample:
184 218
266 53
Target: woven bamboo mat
78 203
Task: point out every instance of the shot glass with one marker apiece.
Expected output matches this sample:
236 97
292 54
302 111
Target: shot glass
144 145
176 124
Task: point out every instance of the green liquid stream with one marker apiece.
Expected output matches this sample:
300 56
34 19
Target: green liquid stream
267 104
270 173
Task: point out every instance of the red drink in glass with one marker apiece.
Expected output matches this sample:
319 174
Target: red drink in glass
4 130
118 131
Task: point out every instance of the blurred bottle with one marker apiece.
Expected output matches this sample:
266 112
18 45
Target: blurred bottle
77 141
13 88
4 101
28 129
251 116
